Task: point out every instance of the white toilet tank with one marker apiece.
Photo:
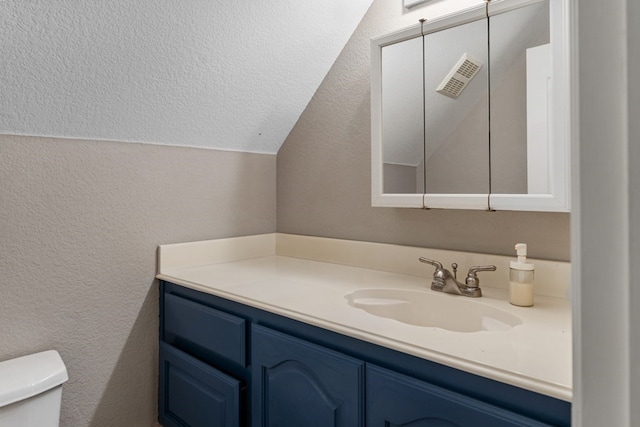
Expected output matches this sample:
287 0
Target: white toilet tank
31 390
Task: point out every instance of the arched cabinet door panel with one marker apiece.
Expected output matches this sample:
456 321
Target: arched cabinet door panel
296 383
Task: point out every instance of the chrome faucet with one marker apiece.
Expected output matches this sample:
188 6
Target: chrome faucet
445 281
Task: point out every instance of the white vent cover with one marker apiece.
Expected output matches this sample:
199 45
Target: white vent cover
458 78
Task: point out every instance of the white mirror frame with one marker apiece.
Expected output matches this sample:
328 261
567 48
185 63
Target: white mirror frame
558 200
411 3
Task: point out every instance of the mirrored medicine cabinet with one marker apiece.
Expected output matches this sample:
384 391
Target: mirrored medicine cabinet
471 111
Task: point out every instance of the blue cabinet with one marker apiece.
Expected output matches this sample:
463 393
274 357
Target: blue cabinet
192 393
296 383
227 364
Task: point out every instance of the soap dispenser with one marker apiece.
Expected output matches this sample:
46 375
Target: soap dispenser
521 279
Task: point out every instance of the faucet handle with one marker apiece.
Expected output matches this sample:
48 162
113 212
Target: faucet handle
439 276
472 280
436 264
474 270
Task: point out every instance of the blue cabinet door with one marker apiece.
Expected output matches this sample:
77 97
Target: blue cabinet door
193 394
395 400
296 383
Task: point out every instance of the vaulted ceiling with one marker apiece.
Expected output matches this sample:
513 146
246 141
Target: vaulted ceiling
229 74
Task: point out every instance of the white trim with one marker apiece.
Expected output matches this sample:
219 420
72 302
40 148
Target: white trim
457 201
527 202
411 3
602 223
576 226
560 117
496 7
397 200
633 38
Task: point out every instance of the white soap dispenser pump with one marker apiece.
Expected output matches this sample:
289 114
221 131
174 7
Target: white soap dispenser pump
521 278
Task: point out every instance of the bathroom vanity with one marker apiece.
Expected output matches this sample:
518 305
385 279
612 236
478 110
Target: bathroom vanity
250 335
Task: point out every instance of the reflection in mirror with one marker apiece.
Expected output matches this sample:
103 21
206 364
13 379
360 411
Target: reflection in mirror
402 117
456 110
520 85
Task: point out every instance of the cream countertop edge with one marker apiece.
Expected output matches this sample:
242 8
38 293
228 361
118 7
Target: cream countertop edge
251 291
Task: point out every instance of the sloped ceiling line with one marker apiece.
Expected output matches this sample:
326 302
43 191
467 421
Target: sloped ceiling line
232 75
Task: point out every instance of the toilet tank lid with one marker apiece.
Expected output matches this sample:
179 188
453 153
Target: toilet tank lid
27 376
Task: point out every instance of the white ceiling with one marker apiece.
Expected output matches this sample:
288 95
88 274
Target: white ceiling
226 74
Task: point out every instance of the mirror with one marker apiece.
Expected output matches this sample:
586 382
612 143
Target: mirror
520 83
471 111
530 111
456 110
402 117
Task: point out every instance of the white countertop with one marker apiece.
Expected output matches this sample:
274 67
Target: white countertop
535 355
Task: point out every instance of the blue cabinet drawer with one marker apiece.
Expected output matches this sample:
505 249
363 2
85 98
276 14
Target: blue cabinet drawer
194 394
190 323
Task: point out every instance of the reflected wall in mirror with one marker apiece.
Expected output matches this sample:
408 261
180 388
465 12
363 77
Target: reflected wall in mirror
402 117
520 85
456 110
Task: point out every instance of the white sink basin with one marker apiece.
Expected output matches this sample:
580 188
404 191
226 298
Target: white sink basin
437 310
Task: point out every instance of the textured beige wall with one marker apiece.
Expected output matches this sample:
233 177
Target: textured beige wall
323 177
79 225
